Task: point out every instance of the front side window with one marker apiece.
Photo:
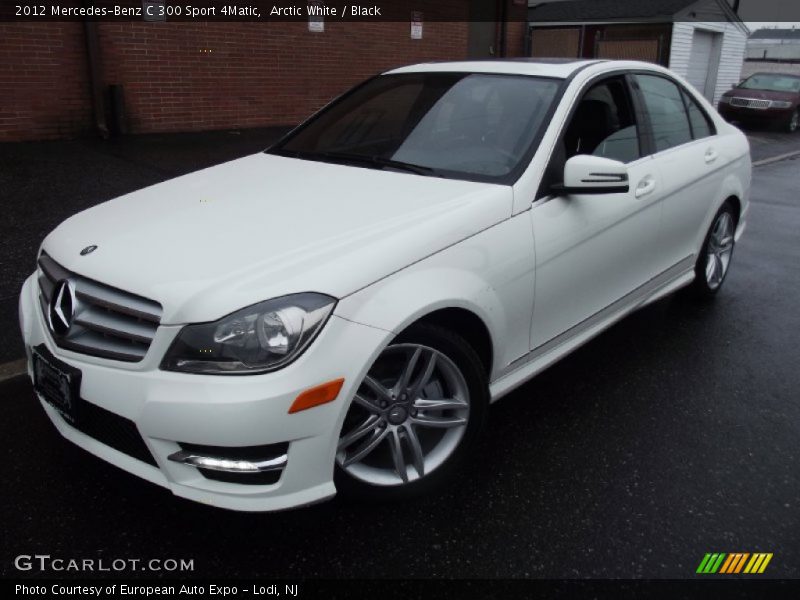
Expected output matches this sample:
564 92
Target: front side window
668 118
458 125
604 124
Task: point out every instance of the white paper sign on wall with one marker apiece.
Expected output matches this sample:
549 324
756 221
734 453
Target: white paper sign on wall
316 23
416 25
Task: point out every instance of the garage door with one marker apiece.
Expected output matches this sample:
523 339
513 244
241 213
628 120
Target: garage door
629 49
700 74
555 42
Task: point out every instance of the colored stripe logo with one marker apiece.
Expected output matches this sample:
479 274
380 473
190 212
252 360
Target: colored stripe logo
734 563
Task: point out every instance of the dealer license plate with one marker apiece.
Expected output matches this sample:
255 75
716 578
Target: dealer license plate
57 383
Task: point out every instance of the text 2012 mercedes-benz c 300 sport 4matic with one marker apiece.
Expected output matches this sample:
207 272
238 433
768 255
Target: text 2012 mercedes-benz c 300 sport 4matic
338 312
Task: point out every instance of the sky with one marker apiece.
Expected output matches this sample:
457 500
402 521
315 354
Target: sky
753 25
765 13
781 13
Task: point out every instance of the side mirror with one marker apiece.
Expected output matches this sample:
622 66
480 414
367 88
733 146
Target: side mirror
586 174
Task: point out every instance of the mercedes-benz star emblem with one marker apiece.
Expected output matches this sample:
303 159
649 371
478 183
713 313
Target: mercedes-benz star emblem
62 307
88 250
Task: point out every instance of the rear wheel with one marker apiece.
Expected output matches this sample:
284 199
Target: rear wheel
414 417
715 257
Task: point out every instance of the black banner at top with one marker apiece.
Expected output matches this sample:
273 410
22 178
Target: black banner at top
553 12
240 10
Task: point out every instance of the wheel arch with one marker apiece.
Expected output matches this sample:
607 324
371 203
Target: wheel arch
455 299
733 190
736 203
468 325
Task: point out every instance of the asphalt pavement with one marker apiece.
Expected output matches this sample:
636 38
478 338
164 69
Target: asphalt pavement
673 434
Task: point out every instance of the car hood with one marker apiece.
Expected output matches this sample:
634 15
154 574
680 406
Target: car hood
214 241
762 94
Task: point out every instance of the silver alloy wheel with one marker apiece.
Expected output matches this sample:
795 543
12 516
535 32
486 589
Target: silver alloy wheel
720 248
407 417
794 121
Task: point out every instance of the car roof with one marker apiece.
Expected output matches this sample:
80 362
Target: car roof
542 67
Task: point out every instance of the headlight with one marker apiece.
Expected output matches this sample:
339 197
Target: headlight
260 338
780 104
725 100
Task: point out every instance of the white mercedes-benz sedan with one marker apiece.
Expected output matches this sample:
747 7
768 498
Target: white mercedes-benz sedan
339 311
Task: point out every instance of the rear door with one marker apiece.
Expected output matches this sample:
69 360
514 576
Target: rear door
688 159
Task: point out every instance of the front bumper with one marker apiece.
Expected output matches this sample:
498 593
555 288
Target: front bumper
224 411
745 114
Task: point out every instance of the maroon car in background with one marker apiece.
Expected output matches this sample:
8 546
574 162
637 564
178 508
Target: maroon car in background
766 98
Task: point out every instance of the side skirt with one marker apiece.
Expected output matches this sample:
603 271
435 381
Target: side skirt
525 367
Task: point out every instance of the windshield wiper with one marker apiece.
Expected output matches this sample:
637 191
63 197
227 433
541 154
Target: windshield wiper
374 161
382 162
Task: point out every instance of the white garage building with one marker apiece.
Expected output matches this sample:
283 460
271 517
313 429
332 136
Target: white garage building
702 40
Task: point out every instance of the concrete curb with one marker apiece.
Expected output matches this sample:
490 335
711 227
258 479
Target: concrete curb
772 159
15 368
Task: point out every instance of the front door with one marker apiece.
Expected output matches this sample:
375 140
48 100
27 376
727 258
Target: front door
594 251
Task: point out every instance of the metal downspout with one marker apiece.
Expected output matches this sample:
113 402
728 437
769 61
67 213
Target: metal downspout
95 77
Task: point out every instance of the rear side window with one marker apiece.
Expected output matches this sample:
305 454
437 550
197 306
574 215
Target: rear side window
701 126
668 118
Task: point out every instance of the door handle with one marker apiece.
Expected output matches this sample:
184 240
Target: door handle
711 156
646 186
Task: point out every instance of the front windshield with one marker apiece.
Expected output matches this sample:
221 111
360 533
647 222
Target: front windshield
771 83
460 125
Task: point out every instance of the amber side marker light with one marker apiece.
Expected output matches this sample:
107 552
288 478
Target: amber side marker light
321 394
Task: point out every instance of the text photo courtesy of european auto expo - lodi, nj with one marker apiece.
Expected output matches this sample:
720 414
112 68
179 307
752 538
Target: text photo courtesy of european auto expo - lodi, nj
412 298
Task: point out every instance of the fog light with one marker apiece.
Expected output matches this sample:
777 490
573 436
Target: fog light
225 464
247 460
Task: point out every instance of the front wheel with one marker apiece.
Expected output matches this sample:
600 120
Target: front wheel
716 254
414 417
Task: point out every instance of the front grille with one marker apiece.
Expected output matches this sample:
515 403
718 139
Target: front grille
113 430
105 321
750 103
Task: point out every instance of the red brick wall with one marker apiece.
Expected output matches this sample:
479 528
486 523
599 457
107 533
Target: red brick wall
199 75
517 17
44 88
192 76
515 39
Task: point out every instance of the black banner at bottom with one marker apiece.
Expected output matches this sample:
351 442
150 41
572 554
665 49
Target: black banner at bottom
387 589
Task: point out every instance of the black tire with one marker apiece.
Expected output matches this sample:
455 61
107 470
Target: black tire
793 121
472 369
700 286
